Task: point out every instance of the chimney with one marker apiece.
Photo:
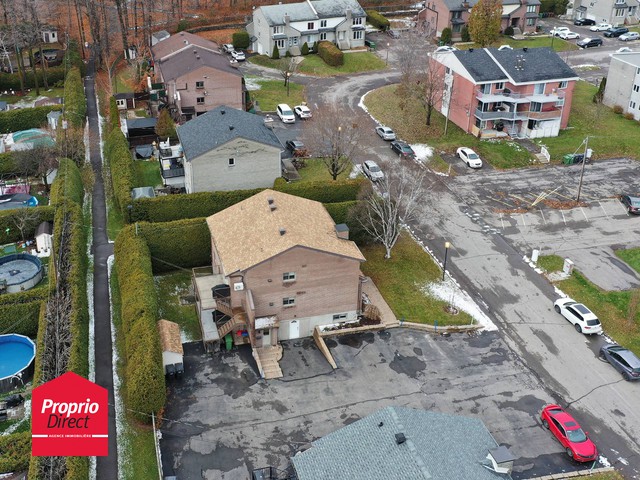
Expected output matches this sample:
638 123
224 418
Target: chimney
272 204
500 460
222 112
282 231
400 438
342 231
348 14
524 49
231 127
287 19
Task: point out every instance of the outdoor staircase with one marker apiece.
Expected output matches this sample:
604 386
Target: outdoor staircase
236 320
269 358
223 305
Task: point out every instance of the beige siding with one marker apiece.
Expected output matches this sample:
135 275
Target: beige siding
222 88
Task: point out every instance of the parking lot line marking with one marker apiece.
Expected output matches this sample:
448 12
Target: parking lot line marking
585 215
564 219
523 222
499 201
602 207
543 219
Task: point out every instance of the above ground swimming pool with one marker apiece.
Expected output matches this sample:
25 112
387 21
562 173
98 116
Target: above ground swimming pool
20 271
16 361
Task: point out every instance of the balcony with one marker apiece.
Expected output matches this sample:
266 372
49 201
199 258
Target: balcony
515 97
518 115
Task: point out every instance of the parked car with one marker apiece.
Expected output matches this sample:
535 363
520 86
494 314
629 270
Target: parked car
403 149
238 55
296 147
601 27
558 30
445 48
372 170
228 48
393 33
589 42
623 360
568 432
386 133
284 112
302 111
569 35
616 32
583 319
631 203
468 156
629 36
584 21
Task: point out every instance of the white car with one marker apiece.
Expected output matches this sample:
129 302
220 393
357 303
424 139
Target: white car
302 111
469 157
228 48
627 37
238 55
558 30
569 35
285 113
445 48
386 133
372 170
601 27
583 319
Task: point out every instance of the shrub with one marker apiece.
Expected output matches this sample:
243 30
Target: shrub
465 36
276 53
340 211
68 184
508 31
16 452
305 49
8 166
166 127
118 156
21 318
629 116
378 20
182 25
287 54
25 118
445 36
241 39
617 109
331 55
75 101
11 81
114 114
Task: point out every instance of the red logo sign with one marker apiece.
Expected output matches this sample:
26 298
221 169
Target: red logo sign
69 417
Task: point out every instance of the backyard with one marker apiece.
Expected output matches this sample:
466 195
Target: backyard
269 93
558 44
314 65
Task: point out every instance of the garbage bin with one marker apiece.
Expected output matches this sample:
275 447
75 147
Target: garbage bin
370 44
568 159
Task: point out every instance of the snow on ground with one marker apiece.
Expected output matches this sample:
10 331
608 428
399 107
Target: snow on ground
355 171
423 152
252 83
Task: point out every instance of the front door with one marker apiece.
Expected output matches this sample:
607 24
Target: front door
294 329
266 337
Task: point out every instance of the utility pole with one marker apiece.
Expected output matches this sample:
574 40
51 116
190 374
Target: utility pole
584 161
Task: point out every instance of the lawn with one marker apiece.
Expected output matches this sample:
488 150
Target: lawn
171 287
409 122
557 43
610 134
115 222
273 92
147 173
314 65
401 279
315 170
31 95
123 81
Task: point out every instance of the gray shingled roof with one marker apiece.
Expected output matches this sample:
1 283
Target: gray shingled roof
186 61
438 447
300 12
209 131
141 123
539 64
480 65
456 5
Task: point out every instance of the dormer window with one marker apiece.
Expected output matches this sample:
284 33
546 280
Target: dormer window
278 30
357 20
310 25
323 24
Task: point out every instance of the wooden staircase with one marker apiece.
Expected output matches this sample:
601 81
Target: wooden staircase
269 358
236 320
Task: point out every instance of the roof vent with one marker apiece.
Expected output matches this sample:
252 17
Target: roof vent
222 112
270 200
524 49
198 57
282 231
400 438
471 49
380 424
231 127
272 206
195 52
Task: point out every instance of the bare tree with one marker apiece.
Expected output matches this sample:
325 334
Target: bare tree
408 65
392 203
287 68
334 138
429 86
24 219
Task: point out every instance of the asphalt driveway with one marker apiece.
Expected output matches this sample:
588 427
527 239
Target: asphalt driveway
228 422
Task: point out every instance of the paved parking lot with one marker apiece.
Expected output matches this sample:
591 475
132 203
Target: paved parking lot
229 422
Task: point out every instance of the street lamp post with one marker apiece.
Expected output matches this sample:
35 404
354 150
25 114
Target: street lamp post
386 62
288 80
446 254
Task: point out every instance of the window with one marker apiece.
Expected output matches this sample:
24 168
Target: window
456 14
357 20
536 107
232 162
288 302
531 9
486 88
358 34
323 36
280 43
636 88
538 88
447 70
531 22
310 26
199 84
632 11
457 28
632 105
323 24
560 102
340 316
499 86
288 276
563 84
620 12
200 100
279 29
293 41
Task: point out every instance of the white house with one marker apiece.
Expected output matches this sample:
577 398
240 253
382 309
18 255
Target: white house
172 352
289 26
625 89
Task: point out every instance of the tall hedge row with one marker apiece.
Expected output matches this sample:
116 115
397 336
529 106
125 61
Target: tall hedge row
25 118
20 318
116 151
68 186
144 375
15 450
11 81
114 114
330 54
378 20
340 211
75 102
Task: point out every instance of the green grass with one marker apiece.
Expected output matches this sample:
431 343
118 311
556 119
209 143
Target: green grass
123 80
170 287
559 45
142 113
606 476
409 122
631 256
30 96
147 173
115 222
551 263
613 135
273 92
314 65
315 170
401 278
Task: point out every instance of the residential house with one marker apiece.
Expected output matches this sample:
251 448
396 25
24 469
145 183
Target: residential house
399 443
229 149
125 101
280 267
193 77
289 26
521 15
157 37
624 87
492 92
615 12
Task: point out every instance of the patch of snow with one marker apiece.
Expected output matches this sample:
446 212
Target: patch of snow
604 461
585 65
423 152
355 171
252 83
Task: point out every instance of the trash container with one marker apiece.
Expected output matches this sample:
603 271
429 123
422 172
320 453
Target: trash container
370 44
568 159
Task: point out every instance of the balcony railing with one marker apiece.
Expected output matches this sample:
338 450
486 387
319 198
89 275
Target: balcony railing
502 96
173 172
518 115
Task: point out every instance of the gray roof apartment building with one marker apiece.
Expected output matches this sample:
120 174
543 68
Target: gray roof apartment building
615 12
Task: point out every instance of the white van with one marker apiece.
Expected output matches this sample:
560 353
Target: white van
285 113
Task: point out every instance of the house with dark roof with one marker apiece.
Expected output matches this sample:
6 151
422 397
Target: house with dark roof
140 131
399 443
521 15
193 77
229 149
289 26
491 92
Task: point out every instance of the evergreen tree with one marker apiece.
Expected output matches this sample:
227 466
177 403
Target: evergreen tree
165 126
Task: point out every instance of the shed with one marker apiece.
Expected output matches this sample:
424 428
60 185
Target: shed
125 101
171 343
142 192
44 237
49 35
141 131
52 118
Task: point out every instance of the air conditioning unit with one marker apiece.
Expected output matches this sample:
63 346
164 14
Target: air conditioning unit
239 286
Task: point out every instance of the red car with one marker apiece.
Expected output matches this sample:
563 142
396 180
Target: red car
569 434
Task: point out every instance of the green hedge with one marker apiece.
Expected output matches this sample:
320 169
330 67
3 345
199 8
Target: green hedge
8 165
118 156
331 54
20 318
11 81
114 114
73 57
25 118
15 451
378 20
241 39
75 102
68 184
325 192
340 211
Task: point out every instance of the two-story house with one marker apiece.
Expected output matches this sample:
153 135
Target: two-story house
280 267
194 77
623 89
289 26
615 12
229 149
497 91
521 15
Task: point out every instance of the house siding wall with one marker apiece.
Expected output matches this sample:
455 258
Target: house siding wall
169 358
620 92
605 11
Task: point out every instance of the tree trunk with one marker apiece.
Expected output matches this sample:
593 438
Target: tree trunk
21 75
35 71
43 67
123 26
429 110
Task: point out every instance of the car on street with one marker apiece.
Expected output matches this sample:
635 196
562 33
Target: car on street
631 203
302 111
583 319
468 156
445 48
372 170
285 113
629 36
296 147
623 360
616 32
393 33
403 149
238 55
584 21
385 133
228 48
569 35
558 30
589 42
601 27
568 432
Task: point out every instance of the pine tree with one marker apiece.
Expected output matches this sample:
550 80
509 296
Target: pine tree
165 126
276 53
